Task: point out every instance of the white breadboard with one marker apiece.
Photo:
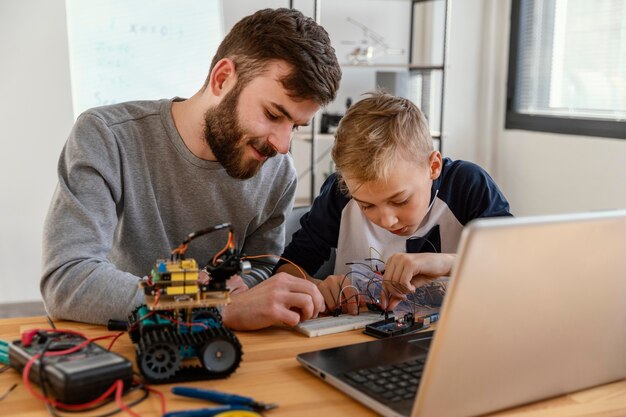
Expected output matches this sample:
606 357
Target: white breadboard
343 323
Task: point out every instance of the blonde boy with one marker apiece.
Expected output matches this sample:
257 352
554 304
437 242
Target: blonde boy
393 198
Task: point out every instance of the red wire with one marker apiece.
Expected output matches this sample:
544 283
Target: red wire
160 394
140 319
117 336
157 297
117 386
182 323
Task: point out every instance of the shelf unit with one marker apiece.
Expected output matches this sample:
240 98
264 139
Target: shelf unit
307 162
428 43
437 12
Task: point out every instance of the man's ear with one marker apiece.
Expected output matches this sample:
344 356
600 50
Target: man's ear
435 164
223 77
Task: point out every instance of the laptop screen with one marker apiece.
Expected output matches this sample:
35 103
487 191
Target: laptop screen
534 309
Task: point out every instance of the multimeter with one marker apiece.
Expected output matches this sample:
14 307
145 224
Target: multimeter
77 377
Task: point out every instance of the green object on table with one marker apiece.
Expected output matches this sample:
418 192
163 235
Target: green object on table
4 352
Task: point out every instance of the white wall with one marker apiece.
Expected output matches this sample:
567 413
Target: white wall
544 173
549 173
540 173
36 116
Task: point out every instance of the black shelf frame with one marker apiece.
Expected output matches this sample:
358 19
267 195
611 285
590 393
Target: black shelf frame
427 69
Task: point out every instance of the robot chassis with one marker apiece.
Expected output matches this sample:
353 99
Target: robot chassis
178 333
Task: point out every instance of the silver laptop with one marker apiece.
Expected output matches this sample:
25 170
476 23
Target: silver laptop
536 308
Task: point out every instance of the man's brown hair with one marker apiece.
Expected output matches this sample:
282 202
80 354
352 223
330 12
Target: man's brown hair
375 133
287 35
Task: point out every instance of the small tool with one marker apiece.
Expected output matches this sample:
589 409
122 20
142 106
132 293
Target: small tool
232 403
7 392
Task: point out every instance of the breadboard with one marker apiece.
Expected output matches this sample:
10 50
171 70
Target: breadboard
343 323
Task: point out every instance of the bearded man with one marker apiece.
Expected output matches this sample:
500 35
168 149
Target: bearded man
136 178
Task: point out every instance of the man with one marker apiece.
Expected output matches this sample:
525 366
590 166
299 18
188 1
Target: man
136 178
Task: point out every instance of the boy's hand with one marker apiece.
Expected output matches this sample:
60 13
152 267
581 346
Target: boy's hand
350 298
404 272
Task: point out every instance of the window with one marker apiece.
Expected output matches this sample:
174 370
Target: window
567 67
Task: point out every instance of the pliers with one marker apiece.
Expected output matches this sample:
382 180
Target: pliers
232 402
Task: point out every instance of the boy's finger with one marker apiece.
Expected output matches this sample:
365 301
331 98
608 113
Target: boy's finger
352 306
329 299
419 281
393 303
396 288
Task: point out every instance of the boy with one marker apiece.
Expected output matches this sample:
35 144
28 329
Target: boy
394 198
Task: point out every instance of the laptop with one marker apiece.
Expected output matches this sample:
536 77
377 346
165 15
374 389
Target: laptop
535 308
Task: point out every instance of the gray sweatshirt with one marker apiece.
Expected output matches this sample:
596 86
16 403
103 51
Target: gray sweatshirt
129 192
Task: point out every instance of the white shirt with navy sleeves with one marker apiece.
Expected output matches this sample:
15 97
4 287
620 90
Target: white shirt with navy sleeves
463 192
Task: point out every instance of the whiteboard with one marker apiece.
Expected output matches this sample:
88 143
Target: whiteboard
123 50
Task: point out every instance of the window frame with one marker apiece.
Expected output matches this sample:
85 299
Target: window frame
605 128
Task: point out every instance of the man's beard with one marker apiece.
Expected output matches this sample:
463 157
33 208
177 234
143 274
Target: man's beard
224 134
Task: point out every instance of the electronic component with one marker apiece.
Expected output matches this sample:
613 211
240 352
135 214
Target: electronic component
76 377
336 324
178 334
392 327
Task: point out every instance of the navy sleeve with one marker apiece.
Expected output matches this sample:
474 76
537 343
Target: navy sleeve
311 245
470 192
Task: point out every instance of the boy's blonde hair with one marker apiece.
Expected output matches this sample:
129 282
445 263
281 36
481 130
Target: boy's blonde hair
375 133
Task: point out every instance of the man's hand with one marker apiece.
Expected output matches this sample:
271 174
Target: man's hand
236 285
404 272
281 299
330 288
349 300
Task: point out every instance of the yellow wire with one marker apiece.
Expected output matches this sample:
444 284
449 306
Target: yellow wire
279 257
230 243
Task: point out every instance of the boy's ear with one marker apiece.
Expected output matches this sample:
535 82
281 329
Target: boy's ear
435 164
223 77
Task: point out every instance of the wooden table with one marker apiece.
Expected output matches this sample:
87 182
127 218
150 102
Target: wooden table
269 372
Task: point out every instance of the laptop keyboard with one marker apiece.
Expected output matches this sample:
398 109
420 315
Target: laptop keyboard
393 383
